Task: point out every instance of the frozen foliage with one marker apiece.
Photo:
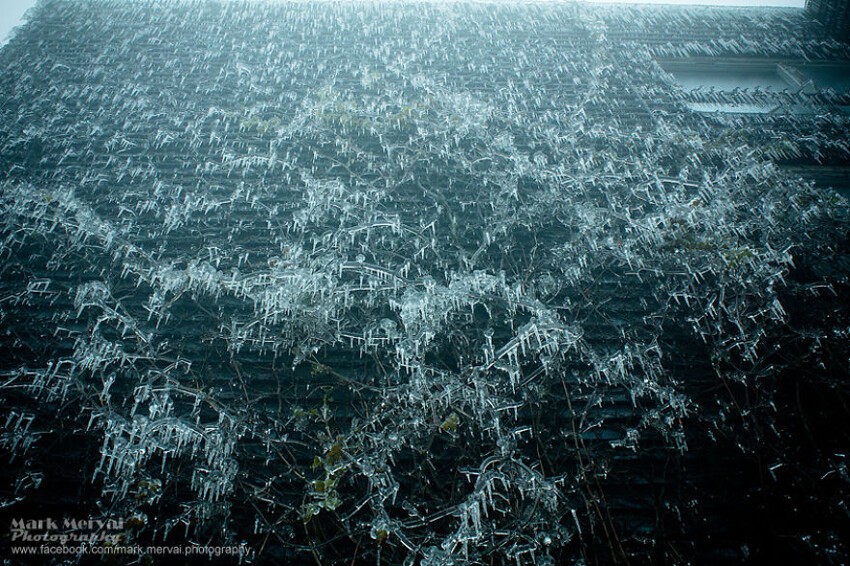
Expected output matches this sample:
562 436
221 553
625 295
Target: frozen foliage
425 284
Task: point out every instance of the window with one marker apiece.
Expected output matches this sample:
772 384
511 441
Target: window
756 86
823 176
727 74
753 3
826 75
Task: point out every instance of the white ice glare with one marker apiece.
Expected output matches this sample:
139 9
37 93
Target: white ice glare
12 11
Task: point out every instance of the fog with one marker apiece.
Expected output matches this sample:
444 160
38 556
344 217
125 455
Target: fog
11 15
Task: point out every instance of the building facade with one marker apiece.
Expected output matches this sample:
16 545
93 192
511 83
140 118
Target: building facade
437 283
833 14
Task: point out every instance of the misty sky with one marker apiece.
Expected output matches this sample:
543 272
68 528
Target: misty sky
11 11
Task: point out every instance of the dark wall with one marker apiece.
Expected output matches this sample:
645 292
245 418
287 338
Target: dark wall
834 14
